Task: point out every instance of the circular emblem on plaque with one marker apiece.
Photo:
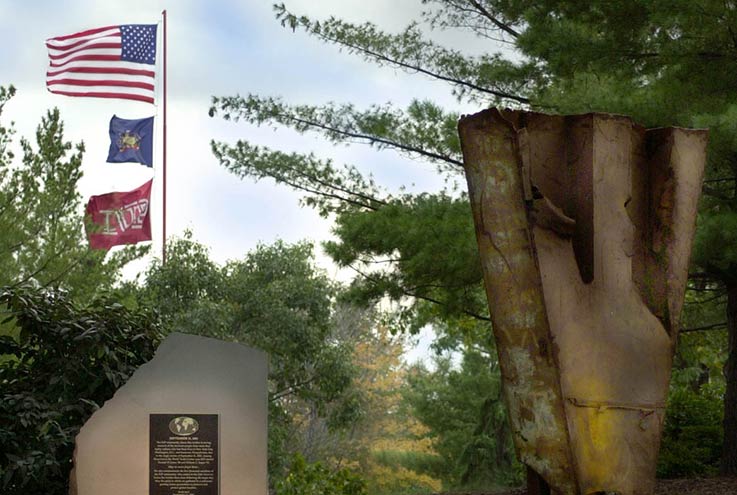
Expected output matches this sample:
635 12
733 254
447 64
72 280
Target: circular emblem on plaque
184 426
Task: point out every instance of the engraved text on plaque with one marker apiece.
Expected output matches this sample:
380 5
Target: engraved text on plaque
183 454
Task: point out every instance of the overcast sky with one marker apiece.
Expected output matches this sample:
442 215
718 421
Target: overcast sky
218 47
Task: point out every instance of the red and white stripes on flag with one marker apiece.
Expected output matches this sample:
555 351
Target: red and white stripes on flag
107 62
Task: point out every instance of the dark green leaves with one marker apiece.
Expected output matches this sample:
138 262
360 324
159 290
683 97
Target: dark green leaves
67 361
274 299
462 406
314 478
421 246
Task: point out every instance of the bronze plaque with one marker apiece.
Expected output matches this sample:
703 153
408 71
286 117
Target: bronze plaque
183 454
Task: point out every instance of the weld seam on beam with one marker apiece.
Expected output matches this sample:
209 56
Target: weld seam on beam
652 407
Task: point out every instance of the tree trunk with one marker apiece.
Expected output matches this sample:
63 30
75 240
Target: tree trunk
729 449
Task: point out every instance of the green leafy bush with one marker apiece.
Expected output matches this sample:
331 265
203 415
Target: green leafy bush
315 479
462 407
58 364
692 437
420 462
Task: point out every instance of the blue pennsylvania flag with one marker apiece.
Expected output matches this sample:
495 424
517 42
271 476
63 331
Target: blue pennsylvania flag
131 141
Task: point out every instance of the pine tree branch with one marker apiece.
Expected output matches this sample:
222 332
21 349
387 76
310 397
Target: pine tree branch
376 139
416 68
713 326
483 11
409 293
721 179
707 300
326 32
423 129
717 194
281 168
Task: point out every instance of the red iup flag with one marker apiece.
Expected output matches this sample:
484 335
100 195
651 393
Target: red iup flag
120 217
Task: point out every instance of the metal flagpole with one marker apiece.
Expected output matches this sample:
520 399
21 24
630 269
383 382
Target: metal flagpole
163 234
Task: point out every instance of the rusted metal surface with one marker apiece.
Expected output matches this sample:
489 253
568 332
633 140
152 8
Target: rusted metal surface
584 225
514 290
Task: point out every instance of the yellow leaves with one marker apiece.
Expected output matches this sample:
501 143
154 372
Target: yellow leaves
386 427
387 446
406 443
398 479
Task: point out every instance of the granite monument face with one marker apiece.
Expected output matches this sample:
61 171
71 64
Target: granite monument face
192 421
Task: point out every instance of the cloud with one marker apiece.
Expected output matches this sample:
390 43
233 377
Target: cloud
217 48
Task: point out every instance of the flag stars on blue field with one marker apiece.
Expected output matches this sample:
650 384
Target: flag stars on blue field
138 43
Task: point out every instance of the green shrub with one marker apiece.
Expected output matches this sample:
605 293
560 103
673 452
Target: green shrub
315 479
420 462
58 364
692 437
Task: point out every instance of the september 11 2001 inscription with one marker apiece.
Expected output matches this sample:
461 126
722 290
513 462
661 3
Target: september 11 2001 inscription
183 454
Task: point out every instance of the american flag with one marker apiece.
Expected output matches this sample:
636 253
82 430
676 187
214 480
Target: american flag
107 62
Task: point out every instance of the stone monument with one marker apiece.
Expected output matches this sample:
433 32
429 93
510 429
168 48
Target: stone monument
192 421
